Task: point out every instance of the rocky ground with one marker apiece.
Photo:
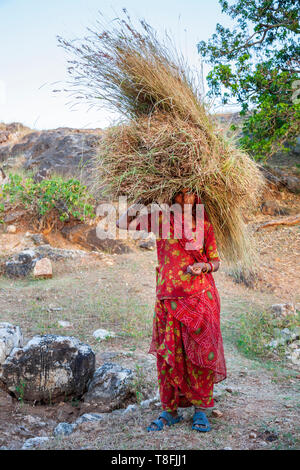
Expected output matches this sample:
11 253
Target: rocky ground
257 406
258 401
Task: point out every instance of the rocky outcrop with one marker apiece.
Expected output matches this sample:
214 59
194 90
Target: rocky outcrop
48 369
61 150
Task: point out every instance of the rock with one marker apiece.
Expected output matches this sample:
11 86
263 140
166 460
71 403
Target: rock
64 324
11 229
64 429
48 369
282 310
13 216
21 264
293 184
252 435
56 254
147 244
62 150
217 413
103 334
34 442
110 387
147 403
280 177
86 236
130 409
37 238
43 269
91 417
10 337
34 421
271 207
294 357
44 173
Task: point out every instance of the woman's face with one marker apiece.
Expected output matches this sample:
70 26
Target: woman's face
185 197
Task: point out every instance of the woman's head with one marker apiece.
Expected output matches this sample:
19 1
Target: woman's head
185 197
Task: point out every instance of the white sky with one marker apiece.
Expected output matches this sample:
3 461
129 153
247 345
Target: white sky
32 64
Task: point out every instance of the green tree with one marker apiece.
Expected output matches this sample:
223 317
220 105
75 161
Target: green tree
257 63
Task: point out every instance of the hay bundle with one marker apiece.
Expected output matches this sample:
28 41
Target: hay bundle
171 142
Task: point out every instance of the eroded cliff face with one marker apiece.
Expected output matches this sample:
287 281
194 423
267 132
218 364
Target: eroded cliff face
63 150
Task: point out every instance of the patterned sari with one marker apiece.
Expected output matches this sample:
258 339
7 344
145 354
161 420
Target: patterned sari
186 338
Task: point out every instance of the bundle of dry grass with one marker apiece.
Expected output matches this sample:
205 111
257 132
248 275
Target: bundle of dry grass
171 141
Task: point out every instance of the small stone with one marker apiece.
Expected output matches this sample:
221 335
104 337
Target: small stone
217 413
11 229
64 324
64 429
148 402
282 310
252 435
243 373
103 334
91 417
130 409
227 448
229 390
43 268
288 405
147 244
34 442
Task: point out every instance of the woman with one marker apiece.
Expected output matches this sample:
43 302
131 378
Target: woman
186 339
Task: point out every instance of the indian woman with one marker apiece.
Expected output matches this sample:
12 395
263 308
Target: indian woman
186 338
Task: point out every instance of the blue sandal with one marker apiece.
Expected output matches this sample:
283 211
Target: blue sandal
159 423
200 419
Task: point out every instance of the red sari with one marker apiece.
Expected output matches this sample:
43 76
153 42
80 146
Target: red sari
186 338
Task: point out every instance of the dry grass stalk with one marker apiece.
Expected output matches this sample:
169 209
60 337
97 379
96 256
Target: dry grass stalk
171 142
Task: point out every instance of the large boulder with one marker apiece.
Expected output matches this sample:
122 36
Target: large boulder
48 369
111 387
10 337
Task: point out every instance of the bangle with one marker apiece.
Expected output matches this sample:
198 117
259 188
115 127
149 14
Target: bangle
211 266
205 269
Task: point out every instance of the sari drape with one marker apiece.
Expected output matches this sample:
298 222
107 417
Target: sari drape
186 337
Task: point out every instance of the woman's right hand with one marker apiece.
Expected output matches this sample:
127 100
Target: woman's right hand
197 268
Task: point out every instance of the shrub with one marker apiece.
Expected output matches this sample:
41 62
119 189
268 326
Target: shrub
50 202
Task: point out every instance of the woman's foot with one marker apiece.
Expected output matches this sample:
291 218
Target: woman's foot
166 418
200 421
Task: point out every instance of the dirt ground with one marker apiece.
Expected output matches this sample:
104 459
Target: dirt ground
260 397
259 400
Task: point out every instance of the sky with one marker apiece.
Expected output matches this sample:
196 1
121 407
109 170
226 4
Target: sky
32 65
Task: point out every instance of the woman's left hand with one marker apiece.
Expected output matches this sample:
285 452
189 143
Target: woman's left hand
197 268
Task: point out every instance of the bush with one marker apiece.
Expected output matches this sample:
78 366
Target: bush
50 201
